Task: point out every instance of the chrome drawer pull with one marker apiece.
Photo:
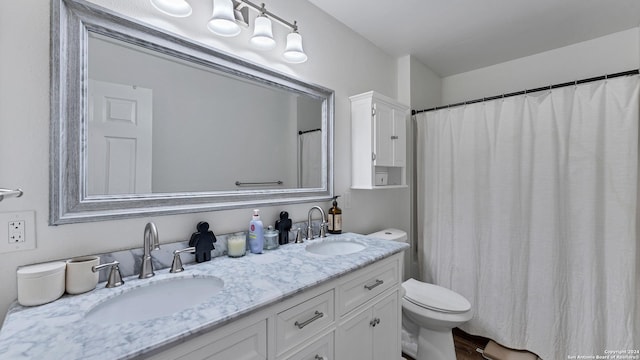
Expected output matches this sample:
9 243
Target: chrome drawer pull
377 283
315 317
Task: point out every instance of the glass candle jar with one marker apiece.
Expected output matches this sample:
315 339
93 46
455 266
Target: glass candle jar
271 238
236 245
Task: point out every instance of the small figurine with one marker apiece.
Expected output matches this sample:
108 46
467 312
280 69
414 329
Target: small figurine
283 226
203 241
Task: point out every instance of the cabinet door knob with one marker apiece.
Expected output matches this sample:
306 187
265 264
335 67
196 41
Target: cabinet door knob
318 357
374 322
373 156
394 137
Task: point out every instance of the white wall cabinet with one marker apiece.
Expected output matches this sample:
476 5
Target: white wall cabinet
378 141
356 316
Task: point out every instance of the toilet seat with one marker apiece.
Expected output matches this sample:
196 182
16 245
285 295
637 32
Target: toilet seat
434 297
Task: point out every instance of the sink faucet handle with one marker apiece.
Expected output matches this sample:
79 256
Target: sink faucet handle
323 229
298 236
176 265
115 278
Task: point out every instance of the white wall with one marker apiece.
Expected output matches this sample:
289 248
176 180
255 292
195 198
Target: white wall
421 88
426 86
338 59
605 55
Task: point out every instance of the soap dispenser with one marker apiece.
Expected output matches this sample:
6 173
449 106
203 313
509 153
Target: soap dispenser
256 233
334 217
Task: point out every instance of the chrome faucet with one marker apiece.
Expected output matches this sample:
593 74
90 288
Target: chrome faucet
150 243
322 224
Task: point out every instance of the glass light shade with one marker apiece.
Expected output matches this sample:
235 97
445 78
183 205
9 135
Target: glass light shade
223 21
293 52
263 34
177 8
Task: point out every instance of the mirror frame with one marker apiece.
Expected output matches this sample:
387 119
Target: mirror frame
71 22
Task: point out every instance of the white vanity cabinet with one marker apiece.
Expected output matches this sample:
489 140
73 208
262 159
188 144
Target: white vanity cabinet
371 333
245 339
355 316
378 141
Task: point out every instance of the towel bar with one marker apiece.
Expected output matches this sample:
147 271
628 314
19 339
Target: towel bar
277 182
10 193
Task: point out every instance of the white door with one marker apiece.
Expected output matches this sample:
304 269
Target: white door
120 139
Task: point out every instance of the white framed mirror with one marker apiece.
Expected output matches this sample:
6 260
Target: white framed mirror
144 122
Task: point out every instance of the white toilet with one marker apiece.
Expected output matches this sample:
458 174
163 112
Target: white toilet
430 312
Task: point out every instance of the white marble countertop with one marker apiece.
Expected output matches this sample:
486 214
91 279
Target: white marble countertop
58 330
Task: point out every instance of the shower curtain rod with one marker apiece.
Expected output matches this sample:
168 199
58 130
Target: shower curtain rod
624 73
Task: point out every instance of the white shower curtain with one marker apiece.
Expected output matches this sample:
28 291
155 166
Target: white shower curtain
527 207
310 159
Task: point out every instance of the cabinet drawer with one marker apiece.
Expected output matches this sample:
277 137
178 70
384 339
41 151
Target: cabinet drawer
246 342
372 282
323 349
303 321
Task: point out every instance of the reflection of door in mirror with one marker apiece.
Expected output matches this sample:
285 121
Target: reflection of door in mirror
120 143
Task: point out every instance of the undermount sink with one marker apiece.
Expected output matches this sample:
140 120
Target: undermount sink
335 247
155 300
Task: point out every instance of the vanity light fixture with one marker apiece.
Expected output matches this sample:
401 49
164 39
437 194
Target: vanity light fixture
223 21
293 52
177 8
262 37
227 17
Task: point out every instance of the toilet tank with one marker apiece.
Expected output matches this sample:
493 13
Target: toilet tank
397 235
390 234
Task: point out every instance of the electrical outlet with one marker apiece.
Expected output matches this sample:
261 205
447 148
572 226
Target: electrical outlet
17 231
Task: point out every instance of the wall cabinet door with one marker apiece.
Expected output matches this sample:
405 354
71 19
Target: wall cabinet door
372 334
390 135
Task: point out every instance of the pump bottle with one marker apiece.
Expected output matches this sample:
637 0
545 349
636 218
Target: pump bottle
334 217
256 233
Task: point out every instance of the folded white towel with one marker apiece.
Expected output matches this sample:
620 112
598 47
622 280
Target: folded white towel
495 351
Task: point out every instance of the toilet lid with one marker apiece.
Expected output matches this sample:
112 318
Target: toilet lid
435 297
